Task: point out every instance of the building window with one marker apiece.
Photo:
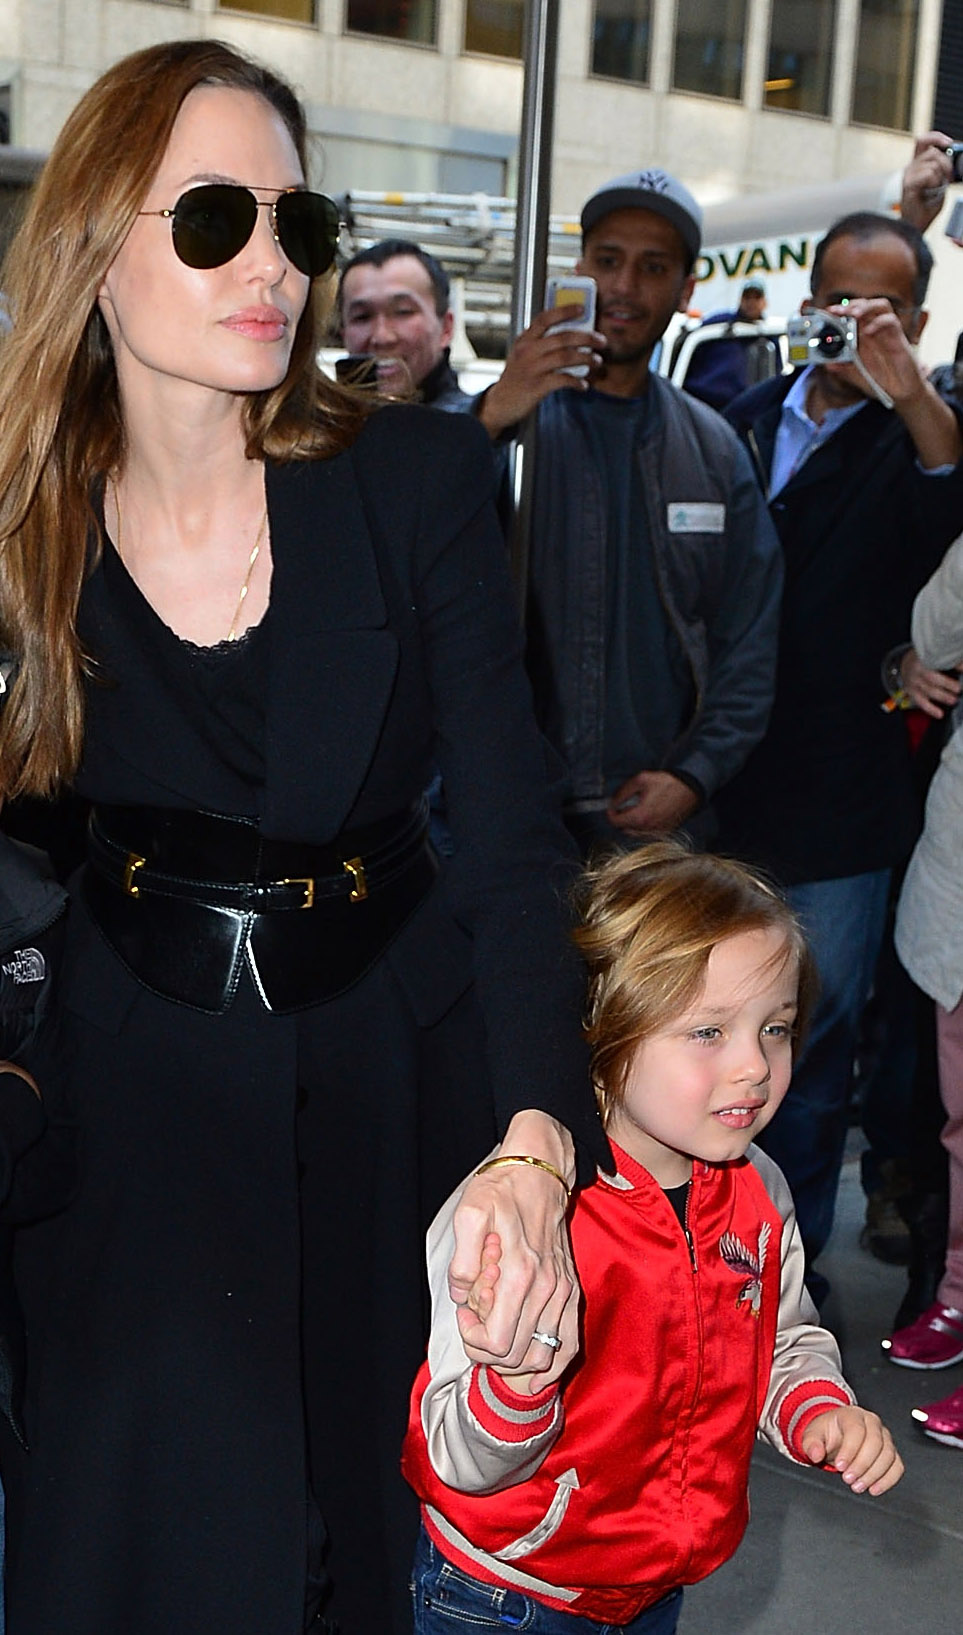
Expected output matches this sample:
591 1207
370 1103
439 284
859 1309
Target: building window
494 26
885 63
709 47
620 39
800 55
295 11
414 21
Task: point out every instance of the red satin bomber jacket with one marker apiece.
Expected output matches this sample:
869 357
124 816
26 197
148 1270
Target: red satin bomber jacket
600 1498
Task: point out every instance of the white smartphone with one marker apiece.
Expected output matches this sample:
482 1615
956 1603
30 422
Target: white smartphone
569 290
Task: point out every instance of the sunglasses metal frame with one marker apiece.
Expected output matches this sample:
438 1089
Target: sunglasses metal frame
171 214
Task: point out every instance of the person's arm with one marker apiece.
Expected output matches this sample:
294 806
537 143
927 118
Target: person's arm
537 1291
507 884
925 180
741 634
931 691
810 1414
481 1431
535 367
937 622
893 363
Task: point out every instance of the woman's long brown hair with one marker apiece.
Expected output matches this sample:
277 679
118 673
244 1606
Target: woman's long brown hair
61 429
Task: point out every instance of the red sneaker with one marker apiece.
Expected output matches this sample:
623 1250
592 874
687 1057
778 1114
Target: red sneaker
935 1340
943 1420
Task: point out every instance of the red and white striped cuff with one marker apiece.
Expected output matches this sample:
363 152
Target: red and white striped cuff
504 1413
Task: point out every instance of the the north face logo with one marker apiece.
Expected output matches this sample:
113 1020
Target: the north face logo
25 965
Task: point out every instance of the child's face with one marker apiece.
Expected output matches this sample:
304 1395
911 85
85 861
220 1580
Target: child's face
705 1085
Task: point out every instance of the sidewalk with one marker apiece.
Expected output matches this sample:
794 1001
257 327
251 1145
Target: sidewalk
819 1560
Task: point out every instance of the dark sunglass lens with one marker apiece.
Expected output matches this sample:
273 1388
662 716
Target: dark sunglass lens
211 224
308 230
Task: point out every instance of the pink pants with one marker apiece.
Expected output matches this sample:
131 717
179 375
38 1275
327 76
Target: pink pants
949 1038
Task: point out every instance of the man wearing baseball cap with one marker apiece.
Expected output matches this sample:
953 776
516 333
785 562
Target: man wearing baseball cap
655 571
723 367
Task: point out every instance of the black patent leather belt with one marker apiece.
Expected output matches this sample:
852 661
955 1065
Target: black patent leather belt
184 897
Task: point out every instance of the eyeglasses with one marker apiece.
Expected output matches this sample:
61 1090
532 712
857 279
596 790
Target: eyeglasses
211 224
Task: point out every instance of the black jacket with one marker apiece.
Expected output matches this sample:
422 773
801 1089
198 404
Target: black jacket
33 1177
828 792
252 1186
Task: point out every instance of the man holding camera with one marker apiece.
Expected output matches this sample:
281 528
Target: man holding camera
655 573
861 462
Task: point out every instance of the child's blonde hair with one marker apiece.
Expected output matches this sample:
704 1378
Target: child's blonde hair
650 920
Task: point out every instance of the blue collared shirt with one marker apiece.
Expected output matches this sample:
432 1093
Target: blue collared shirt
797 436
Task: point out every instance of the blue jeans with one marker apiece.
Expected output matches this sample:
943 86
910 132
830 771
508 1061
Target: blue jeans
843 921
446 1600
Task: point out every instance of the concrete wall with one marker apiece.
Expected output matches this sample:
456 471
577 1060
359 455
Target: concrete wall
51 50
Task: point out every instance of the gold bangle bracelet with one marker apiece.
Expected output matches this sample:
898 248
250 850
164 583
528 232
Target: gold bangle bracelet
526 1158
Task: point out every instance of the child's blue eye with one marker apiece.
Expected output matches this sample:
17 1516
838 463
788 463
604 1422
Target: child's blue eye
778 1030
706 1035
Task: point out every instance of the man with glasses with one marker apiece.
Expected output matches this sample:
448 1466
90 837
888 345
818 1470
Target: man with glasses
866 498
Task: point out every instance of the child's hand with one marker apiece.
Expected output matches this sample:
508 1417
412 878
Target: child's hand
858 1445
481 1298
481 1295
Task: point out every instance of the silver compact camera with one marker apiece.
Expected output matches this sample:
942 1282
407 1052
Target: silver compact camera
821 337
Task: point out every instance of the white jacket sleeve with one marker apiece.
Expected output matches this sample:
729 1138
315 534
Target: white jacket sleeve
937 626
806 1372
480 1434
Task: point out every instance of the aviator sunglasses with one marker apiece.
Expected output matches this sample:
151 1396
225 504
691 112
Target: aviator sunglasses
210 225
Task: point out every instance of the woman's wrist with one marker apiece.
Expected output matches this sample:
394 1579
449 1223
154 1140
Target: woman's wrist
21 1073
535 1134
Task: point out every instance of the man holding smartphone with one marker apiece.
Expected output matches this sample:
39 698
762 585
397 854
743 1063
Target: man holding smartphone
655 572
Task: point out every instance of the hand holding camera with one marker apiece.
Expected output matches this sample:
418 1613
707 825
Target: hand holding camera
867 335
936 162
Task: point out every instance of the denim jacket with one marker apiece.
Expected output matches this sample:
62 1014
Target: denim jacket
719 577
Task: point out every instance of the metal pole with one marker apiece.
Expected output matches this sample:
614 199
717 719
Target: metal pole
540 51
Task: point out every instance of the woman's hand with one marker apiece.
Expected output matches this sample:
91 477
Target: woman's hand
535 1288
929 690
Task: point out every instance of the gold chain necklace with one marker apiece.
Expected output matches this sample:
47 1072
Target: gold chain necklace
242 597
232 633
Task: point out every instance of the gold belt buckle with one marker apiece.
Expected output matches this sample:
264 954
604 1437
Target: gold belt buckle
307 881
354 867
134 862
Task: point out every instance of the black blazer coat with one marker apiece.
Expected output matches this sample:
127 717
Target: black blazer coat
243 1257
828 792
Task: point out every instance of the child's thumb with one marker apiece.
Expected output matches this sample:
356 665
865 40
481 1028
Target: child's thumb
814 1447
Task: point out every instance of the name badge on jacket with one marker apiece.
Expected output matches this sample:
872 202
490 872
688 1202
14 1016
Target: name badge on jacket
696 517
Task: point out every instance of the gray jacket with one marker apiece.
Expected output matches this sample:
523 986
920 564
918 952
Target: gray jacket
929 920
719 572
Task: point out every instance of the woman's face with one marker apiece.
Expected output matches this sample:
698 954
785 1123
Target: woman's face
227 329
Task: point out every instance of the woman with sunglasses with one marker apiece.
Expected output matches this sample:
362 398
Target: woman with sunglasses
249 612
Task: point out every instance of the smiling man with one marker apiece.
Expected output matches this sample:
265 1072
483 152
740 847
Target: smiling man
655 571
395 307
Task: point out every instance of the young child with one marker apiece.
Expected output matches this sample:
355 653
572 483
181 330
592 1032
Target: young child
588 1504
